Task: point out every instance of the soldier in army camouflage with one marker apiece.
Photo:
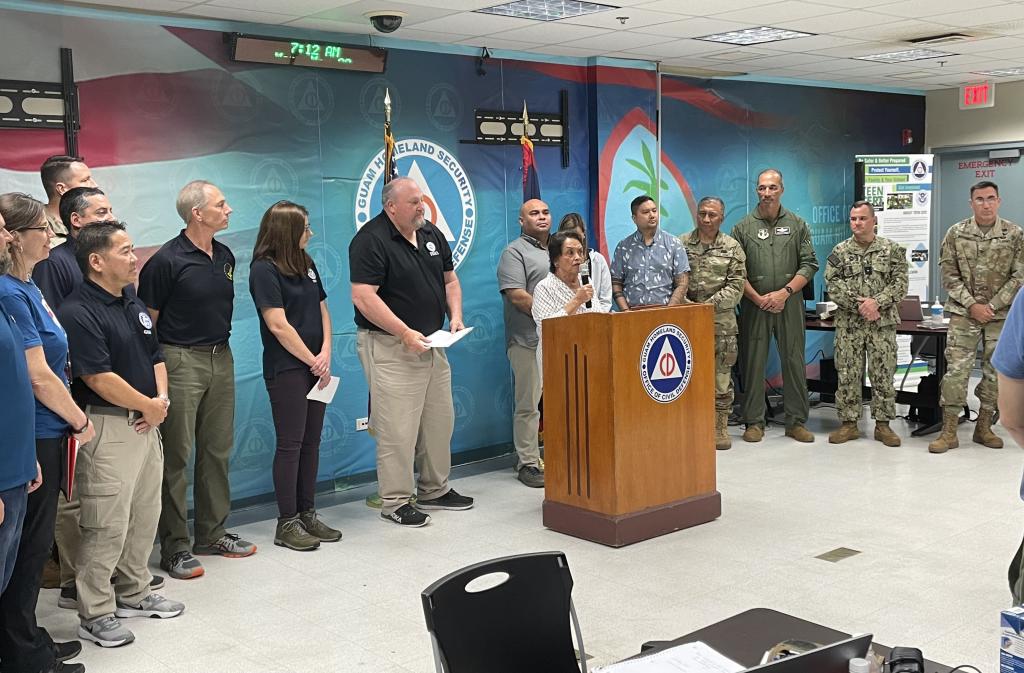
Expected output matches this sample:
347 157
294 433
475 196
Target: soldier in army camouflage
717 272
982 270
866 277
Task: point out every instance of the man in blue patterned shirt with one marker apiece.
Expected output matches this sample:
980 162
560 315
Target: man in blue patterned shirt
650 267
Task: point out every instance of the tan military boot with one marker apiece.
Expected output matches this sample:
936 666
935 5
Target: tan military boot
800 433
983 430
753 433
885 435
846 432
947 440
722 440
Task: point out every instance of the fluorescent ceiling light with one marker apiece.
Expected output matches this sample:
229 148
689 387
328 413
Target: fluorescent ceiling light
904 56
1003 72
545 10
754 35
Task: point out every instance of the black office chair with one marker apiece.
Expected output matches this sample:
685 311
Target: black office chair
520 624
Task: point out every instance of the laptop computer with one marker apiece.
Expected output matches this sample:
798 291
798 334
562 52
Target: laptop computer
910 309
834 658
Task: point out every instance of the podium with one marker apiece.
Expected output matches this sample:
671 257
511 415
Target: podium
629 418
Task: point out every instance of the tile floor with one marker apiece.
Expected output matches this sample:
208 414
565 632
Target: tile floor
936 534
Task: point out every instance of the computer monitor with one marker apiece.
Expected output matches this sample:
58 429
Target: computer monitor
834 658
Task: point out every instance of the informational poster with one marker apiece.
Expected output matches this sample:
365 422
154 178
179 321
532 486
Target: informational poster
899 186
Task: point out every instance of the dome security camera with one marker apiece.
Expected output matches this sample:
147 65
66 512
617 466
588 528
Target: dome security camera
385 21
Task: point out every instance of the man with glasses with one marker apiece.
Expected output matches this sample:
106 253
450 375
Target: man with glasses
780 262
982 270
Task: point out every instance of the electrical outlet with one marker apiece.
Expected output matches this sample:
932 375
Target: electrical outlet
362 424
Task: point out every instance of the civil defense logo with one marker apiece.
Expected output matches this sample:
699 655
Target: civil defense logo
919 170
666 362
448 198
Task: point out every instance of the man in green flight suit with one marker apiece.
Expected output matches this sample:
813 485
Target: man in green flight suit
866 277
982 270
717 272
780 262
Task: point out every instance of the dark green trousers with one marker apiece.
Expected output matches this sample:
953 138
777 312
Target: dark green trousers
757 328
202 416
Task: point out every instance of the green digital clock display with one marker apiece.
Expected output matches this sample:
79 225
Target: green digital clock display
306 53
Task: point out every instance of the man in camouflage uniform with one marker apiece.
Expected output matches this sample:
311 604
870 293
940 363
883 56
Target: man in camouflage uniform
866 277
717 271
982 270
780 262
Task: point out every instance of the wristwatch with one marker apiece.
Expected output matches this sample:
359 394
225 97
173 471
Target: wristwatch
78 431
788 289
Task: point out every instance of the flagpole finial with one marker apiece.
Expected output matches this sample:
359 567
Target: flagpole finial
526 120
387 105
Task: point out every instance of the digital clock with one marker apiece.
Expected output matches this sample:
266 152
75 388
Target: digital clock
306 53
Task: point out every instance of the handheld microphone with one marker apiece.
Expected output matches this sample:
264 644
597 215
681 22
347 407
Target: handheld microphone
585 273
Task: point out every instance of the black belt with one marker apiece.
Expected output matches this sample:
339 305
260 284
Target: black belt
211 348
110 410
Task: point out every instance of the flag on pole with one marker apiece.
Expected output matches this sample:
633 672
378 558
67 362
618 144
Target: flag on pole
390 169
531 182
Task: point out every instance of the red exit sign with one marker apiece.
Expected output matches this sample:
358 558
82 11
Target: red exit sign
978 95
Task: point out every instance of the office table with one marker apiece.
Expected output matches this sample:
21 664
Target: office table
745 637
913 398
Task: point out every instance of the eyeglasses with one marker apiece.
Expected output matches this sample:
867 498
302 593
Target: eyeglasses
981 201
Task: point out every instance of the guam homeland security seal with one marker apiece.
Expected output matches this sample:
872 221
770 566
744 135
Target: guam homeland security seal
666 362
448 198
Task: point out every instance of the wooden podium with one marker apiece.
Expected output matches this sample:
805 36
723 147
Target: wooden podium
629 418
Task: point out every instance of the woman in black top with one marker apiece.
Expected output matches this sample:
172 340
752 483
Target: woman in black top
296 332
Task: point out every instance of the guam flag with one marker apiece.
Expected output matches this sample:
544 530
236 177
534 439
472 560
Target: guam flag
531 184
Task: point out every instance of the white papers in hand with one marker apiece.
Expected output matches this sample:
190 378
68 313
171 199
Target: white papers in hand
325 395
687 658
443 338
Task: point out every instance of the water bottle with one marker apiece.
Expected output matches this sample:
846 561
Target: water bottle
937 317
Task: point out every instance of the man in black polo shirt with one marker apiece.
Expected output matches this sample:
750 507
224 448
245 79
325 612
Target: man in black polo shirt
59 274
403 284
119 376
189 289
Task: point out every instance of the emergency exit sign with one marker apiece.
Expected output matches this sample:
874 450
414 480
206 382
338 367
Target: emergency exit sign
982 94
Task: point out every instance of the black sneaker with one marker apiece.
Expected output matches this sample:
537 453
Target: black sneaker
450 500
156 583
68 598
407 515
65 651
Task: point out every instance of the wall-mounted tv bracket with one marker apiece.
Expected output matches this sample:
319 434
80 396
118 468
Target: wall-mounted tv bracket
501 127
36 105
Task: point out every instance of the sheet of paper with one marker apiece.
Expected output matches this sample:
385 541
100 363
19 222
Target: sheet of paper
325 395
443 338
687 658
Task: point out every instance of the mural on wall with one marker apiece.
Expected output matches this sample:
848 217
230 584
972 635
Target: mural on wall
166 106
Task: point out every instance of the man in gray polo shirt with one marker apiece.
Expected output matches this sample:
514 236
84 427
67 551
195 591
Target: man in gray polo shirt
524 263
650 266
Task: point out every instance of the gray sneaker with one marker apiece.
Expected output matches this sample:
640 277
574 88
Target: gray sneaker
153 605
531 476
228 545
105 631
182 566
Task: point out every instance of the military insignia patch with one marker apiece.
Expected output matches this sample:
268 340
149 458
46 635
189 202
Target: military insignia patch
782 231
762 234
834 260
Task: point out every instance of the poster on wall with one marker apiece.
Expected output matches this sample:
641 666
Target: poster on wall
899 186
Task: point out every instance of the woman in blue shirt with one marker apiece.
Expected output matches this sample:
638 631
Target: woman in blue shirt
25 645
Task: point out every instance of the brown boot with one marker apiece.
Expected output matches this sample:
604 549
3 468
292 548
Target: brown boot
800 433
722 440
885 435
983 430
947 440
753 433
846 432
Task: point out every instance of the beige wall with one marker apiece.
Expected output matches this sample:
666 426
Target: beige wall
946 124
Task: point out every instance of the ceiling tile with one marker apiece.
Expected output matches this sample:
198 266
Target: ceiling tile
561 50
146 5
297 8
1009 46
492 42
914 9
981 16
622 40
461 5
238 14
814 43
354 12
672 49
902 30
696 27
348 27
635 18
470 24
775 13
866 22
554 32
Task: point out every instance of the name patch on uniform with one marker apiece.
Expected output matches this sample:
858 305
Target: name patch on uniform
432 249
782 231
762 234
834 260
312 276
